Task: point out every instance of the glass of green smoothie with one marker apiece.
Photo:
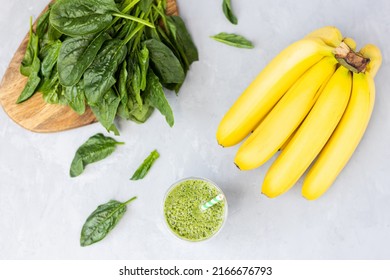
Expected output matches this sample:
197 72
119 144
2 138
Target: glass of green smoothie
183 212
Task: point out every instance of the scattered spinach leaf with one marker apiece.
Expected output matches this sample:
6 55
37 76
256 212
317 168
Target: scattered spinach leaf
233 40
228 11
94 149
144 168
102 221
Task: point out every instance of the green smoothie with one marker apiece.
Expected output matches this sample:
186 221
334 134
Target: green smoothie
183 214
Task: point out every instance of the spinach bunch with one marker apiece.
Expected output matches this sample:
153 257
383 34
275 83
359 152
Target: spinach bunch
115 56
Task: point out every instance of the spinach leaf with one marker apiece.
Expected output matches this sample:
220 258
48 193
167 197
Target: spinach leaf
233 40
135 82
76 98
43 24
52 33
78 18
50 57
155 96
94 149
143 60
32 83
183 41
141 116
98 78
76 55
102 221
106 109
228 11
144 168
145 5
30 54
164 62
55 95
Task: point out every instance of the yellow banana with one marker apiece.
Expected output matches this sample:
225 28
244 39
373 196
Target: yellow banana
348 133
285 117
329 34
374 54
350 43
311 136
292 135
268 87
343 141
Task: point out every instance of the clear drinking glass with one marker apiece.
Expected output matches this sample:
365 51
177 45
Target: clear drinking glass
182 211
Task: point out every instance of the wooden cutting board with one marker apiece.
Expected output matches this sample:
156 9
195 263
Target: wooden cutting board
34 114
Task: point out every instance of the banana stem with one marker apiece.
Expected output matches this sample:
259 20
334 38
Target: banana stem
353 61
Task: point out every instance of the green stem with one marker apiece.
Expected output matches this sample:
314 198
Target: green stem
144 22
129 6
130 200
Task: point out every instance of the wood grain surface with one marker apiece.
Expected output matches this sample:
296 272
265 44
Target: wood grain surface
34 114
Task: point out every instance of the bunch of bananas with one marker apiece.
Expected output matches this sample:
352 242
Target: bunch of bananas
313 102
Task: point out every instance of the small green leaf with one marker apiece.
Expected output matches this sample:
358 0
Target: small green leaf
50 57
32 84
76 98
183 41
144 168
165 64
228 11
94 149
233 40
106 109
155 96
102 221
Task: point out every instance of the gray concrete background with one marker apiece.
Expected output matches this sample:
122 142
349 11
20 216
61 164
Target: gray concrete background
42 209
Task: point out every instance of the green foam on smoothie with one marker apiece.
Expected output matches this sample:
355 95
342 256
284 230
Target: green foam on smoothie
183 213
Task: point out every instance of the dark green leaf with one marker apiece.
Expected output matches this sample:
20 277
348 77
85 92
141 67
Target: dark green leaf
52 33
76 98
106 109
145 5
76 56
155 96
144 168
32 84
30 54
55 94
50 57
141 116
164 62
78 18
143 59
43 24
94 149
228 11
183 40
102 221
136 80
98 78
233 40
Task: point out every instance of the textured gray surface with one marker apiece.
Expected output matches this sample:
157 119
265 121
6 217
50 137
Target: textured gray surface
42 210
